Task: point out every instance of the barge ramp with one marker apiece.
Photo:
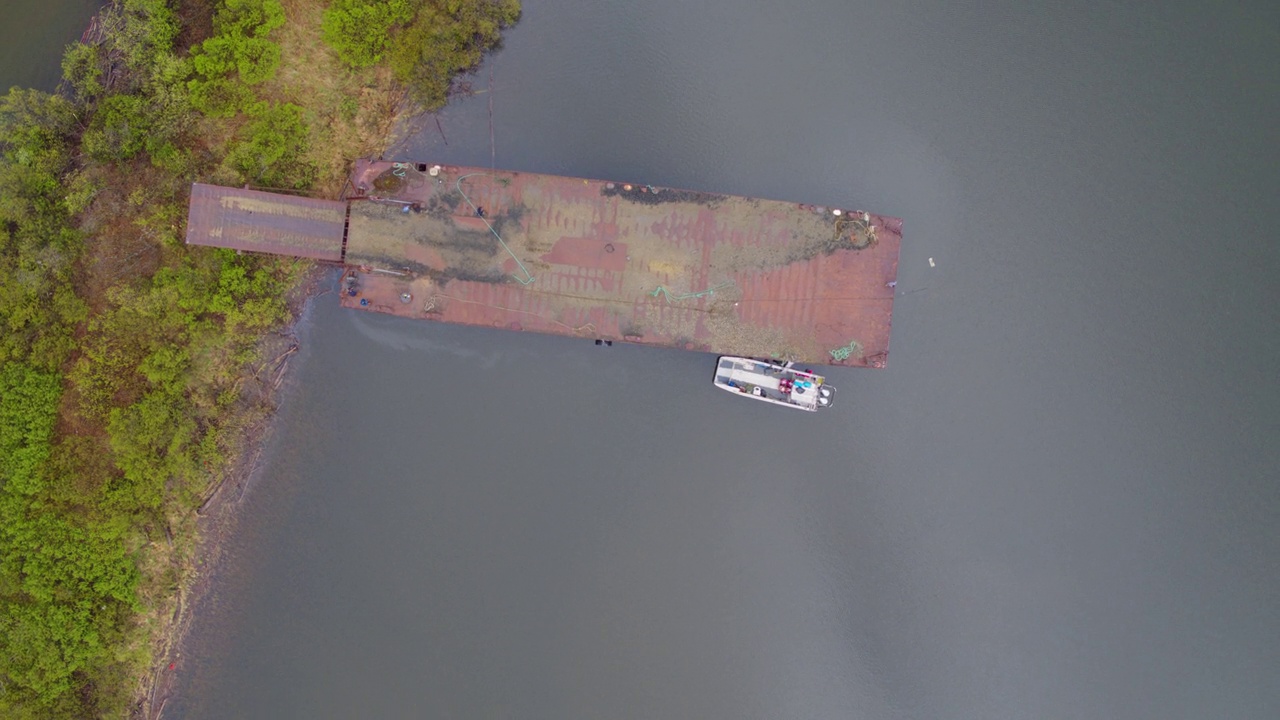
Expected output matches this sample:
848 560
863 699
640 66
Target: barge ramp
587 258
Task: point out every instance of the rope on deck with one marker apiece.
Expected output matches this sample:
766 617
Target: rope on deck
844 353
856 226
666 294
458 184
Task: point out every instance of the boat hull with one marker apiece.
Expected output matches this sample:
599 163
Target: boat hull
772 383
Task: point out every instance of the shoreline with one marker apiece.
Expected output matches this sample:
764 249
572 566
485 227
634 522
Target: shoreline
227 382
218 515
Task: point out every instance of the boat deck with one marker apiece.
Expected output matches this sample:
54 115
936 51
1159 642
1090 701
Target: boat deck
598 259
766 381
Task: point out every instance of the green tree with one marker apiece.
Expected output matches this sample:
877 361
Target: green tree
238 55
62 583
447 37
150 442
142 32
360 30
37 245
28 409
121 128
271 152
82 70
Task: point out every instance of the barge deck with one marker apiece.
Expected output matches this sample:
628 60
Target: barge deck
614 261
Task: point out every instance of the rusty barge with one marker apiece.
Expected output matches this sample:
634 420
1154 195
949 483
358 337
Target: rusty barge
602 260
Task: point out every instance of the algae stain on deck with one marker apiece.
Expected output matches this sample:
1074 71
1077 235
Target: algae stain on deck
653 265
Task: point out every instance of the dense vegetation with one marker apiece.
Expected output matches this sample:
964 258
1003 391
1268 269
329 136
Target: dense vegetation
427 42
126 357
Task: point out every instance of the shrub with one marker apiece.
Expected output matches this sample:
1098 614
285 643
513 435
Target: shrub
447 37
82 70
37 245
237 56
271 154
120 128
359 30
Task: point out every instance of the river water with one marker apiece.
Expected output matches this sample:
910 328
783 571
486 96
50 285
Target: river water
33 34
1059 500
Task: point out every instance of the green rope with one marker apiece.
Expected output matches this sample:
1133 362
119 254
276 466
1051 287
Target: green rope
666 294
844 353
527 274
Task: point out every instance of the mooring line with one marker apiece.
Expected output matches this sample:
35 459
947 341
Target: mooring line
688 296
474 209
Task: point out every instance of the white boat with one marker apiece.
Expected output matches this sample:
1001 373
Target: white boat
777 384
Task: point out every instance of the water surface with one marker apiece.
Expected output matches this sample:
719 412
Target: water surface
33 34
1058 501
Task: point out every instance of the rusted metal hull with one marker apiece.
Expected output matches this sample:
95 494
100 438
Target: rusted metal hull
265 222
606 260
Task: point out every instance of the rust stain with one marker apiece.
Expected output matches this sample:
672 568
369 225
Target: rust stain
257 221
586 252
690 270
587 258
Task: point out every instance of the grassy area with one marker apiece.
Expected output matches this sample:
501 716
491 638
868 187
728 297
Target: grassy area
135 373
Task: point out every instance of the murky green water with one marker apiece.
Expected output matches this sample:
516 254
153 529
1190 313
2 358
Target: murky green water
1059 500
33 34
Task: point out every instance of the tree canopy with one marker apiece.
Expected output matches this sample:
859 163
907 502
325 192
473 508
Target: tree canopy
426 42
